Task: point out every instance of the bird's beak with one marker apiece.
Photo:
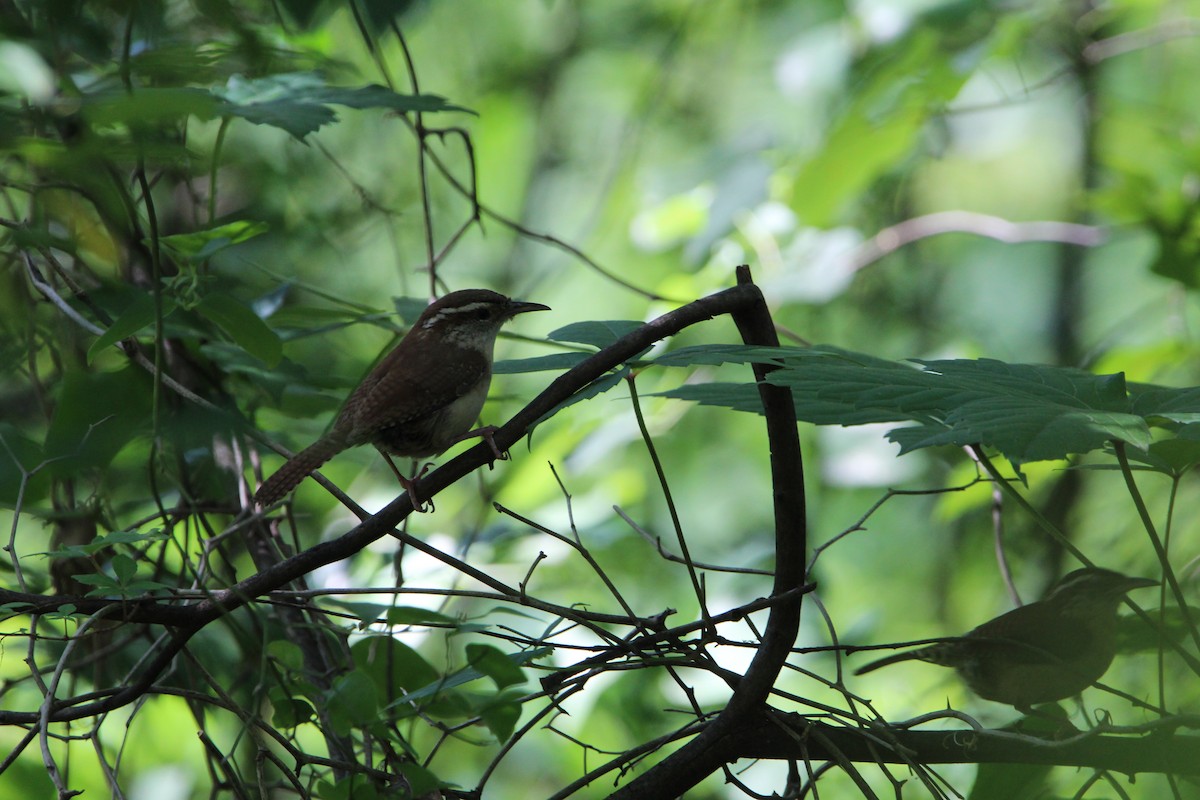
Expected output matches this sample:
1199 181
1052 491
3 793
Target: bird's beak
520 307
1132 583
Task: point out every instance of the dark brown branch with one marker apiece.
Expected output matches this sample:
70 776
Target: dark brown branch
1157 752
705 754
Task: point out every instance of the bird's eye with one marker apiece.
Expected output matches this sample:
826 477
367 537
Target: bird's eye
483 313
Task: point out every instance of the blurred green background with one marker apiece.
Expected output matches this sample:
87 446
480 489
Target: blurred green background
1016 181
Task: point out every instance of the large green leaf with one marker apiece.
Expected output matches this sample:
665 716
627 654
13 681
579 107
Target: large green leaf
495 664
598 333
392 665
501 715
137 316
148 105
21 456
1028 412
554 361
474 673
202 244
298 102
97 414
353 701
242 325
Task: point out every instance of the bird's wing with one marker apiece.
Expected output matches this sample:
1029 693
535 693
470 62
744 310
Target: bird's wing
1020 636
392 395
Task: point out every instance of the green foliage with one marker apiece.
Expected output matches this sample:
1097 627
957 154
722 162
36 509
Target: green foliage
598 334
490 667
138 316
299 103
392 665
876 132
106 541
353 702
355 787
243 326
1026 412
202 245
98 414
1001 193
123 580
386 668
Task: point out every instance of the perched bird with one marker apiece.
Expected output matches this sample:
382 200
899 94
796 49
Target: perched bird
1041 652
423 396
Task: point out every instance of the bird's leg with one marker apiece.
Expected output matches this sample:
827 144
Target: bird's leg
410 484
487 433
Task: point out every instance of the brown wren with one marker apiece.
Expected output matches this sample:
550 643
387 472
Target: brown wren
423 396
1041 652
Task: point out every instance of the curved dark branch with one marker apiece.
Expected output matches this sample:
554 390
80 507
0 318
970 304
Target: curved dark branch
705 754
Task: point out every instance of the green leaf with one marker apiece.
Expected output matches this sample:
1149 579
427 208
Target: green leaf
1178 235
147 106
1006 781
306 13
1170 456
286 653
376 96
367 613
137 316
392 665
199 245
717 354
1027 412
297 102
107 540
501 718
65 611
466 675
495 664
735 396
288 711
556 361
410 308
124 567
17 607
105 584
411 615
421 782
242 325
353 701
97 414
598 333
20 454
1135 636
354 787
1162 402
593 389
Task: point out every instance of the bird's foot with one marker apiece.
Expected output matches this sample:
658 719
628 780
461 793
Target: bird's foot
410 486
488 434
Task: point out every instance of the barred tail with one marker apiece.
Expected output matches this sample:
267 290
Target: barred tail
296 469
